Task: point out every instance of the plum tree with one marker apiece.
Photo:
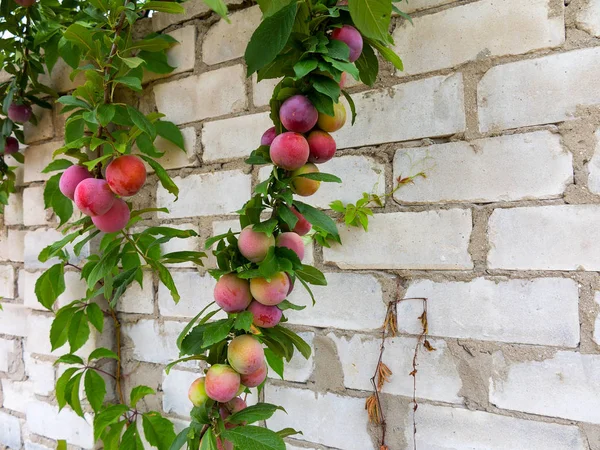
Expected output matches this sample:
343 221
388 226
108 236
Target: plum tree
126 175
322 146
232 294
254 245
270 292
114 219
293 241
93 197
289 151
197 392
11 145
302 186
298 114
265 316
19 113
268 136
335 122
352 38
245 354
70 178
222 383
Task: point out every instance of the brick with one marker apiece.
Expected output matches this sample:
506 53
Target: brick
193 98
7 282
181 55
161 21
34 446
196 292
13 320
16 394
41 375
263 91
175 387
233 138
192 244
33 210
210 188
565 385
486 170
12 245
544 238
8 354
538 91
10 431
37 157
476 31
174 157
319 418
543 311
418 5
429 108
220 44
594 167
46 420
138 300
588 17
153 341
13 212
440 427
44 128
359 174
349 301
438 372
36 241
597 322
429 240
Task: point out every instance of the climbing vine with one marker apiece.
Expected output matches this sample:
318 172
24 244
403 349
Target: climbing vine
312 45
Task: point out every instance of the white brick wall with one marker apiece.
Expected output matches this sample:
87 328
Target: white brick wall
566 385
13 320
37 157
545 238
472 32
45 420
538 91
413 240
506 168
10 430
588 17
154 341
182 55
7 354
36 241
33 215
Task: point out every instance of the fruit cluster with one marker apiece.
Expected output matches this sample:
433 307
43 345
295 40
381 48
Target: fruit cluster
101 198
18 114
304 142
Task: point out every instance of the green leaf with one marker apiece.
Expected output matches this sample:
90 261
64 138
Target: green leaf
79 331
153 44
170 132
102 352
165 277
327 86
209 441
61 384
163 176
61 444
288 432
275 362
144 143
189 326
95 316
141 122
319 220
251 437
321 176
298 342
138 393
53 198
50 285
387 53
107 417
285 305
180 440
368 65
69 100
159 432
131 439
70 359
243 321
205 335
372 17
254 413
95 389
105 114
219 7
79 35
311 275
57 164
304 67
351 104
166 7
72 394
270 38
59 330
131 82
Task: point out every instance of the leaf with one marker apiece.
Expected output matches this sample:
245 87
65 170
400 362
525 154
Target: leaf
163 176
165 277
285 305
243 321
288 432
204 335
320 176
72 394
298 342
275 362
180 440
50 285
79 331
53 198
166 7
131 82
189 326
61 384
327 86
254 438
61 444
102 352
170 132
159 432
318 219
70 359
59 330
311 275
107 417
254 413
141 121
69 100
270 38
351 104
131 439
219 7
372 17
368 65
57 164
209 442
79 35
387 53
105 114
138 393
304 67
95 389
